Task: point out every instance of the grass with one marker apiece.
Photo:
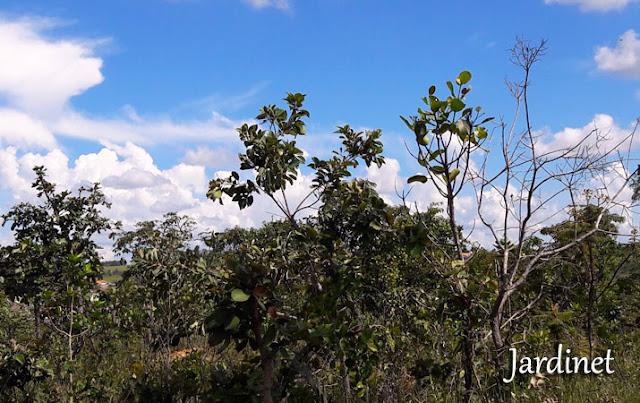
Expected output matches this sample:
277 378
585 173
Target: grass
113 274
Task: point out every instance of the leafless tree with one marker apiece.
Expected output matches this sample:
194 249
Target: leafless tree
517 200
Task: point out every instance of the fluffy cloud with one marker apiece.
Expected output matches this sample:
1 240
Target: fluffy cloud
41 75
601 128
20 129
137 188
134 178
624 59
594 5
210 157
283 5
35 88
10 180
189 177
390 183
387 179
121 171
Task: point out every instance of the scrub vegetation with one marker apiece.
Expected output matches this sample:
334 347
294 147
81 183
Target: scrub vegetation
345 298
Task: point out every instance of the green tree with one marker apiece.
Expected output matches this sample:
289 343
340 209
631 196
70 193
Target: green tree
448 133
168 288
319 254
54 263
591 267
47 236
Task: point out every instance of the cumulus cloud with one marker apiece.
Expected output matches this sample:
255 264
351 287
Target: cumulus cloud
623 59
190 177
41 75
10 180
36 85
210 157
387 179
20 129
594 5
137 188
602 128
132 179
283 5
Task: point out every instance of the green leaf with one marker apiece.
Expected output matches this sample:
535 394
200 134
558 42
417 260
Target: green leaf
417 178
372 345
420 129
450 85
463 78
406 122
481 133
435 154
216 338
20 358
239 296
457 105
270 335
453 174
233 324
432 90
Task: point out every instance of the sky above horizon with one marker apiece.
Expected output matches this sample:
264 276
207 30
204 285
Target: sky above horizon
145 96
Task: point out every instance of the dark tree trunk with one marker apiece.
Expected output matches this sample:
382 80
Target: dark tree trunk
495 319
265 355
37 316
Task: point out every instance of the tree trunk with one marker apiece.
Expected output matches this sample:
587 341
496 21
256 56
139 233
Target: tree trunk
468 347
37 319
265 355
70 338
346 382
495 320
591 302
468 355
267 368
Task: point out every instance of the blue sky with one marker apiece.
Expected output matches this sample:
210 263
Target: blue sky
144 95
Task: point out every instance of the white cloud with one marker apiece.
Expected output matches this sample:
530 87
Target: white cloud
602 128
387 179
40 75
190 177
137 188
20 129
35 88
142 131
210 157
594 5
43 74
623 59
9 175
283 5
134 178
